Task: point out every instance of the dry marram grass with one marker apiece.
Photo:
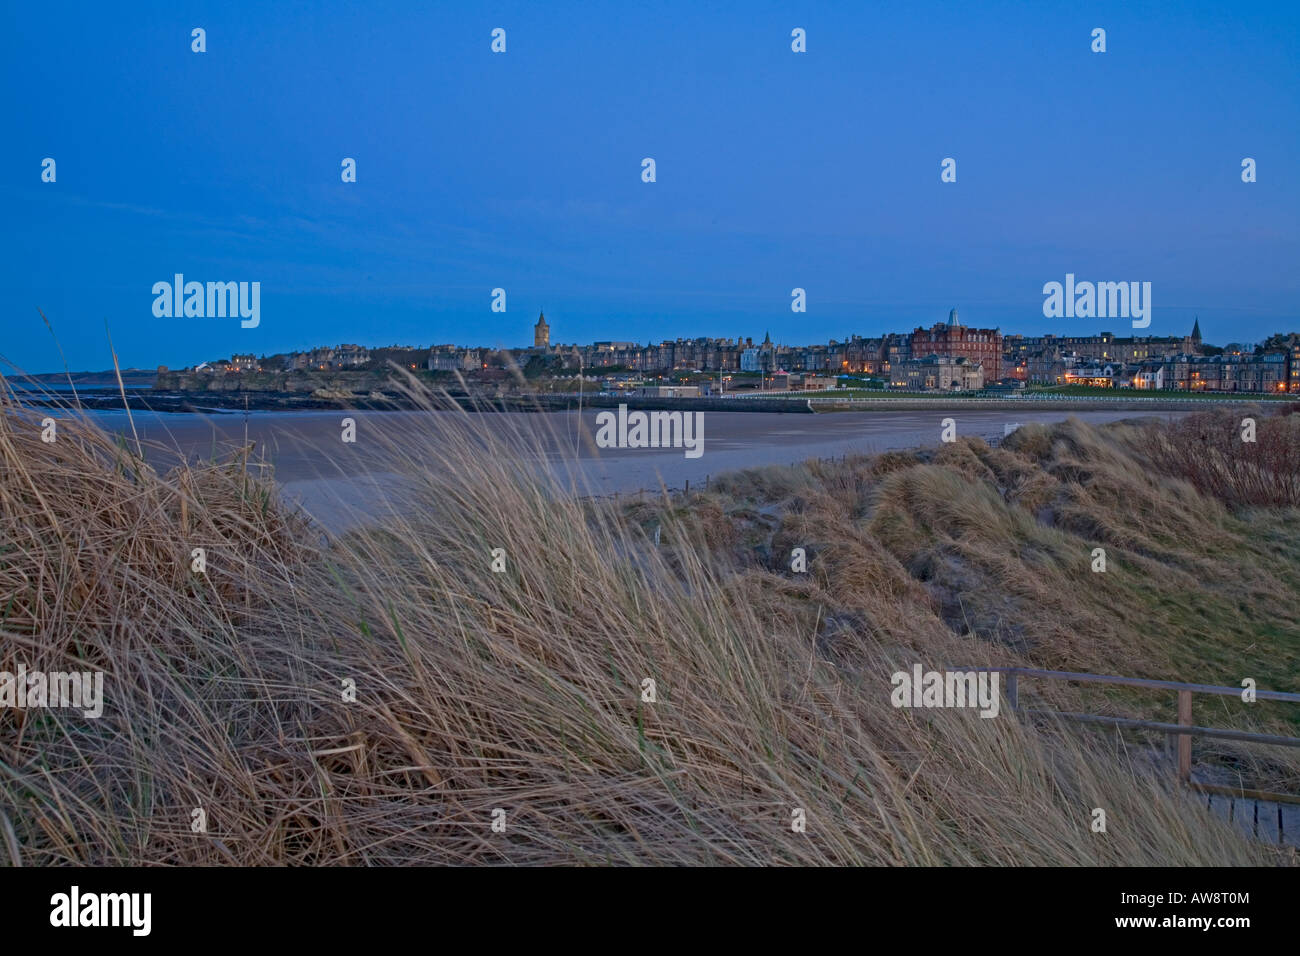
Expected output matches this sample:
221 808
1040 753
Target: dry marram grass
520 690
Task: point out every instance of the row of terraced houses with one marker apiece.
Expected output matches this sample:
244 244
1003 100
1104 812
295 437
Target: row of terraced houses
952 356
947 356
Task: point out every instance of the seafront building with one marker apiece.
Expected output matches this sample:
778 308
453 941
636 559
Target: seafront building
982 347
942 373
945 357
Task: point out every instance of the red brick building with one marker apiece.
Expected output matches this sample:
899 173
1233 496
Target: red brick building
955 340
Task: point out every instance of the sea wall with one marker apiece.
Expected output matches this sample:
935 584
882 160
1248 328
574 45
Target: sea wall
796 405
293 383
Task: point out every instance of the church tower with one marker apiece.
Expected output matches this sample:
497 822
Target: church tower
1196 333
541 332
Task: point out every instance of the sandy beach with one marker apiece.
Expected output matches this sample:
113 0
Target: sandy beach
341 484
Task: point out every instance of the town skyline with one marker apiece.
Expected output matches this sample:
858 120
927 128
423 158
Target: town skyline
876 328
947 356
540 333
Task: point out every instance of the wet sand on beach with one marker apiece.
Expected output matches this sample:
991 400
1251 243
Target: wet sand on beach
344 484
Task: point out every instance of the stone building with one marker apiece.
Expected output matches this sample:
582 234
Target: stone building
938 373
954 340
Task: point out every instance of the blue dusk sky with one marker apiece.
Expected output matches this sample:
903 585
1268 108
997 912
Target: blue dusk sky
522 170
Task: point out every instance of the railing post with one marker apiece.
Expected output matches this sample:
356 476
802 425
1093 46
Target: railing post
1184 740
